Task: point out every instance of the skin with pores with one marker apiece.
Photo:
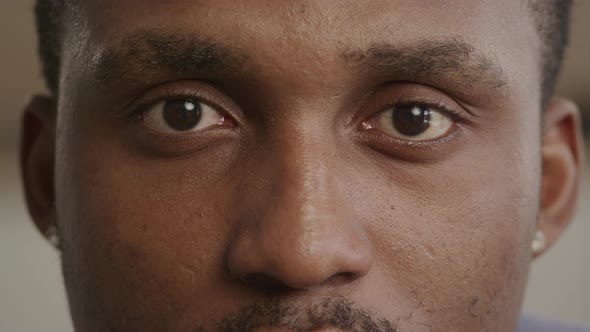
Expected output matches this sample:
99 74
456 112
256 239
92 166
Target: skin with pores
296 201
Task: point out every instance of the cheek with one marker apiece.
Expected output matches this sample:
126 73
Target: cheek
141 236
455 236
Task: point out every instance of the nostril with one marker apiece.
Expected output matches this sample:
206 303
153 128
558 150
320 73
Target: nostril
266 283
340 279
291 253
271 285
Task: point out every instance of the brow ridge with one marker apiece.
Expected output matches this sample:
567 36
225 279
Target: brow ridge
148 53
430 58
138 56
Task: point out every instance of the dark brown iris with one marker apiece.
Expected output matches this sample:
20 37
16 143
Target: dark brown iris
182 114
411 120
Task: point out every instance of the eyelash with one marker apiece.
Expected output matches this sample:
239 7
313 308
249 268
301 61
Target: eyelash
141 105
145 105
438 105
170 93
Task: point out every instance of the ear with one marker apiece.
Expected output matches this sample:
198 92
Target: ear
37 155
563 156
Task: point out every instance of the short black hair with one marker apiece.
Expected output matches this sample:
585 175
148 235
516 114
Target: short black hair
48 18
552 18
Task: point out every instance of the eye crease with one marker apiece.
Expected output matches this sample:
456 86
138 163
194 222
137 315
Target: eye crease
181 116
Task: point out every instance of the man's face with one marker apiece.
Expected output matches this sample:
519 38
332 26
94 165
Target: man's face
302 165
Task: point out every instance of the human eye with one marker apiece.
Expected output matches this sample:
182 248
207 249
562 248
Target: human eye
414 122
182 115
181 118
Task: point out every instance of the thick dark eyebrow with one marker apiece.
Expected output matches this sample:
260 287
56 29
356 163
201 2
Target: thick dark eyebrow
449 58
147 54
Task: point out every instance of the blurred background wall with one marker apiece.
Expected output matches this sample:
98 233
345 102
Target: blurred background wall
31 291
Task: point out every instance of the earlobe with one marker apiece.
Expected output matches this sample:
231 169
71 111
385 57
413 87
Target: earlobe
562 154
37 155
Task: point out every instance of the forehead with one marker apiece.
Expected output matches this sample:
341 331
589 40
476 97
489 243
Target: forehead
324 22
305 33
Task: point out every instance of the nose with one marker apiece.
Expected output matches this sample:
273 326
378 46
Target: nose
300 231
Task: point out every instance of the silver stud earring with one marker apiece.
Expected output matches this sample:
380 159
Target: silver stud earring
538 244
52 236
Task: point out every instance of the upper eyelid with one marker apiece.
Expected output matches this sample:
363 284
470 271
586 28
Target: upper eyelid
203 94
143 105
163 101
387 95
445 94
432 103
207 93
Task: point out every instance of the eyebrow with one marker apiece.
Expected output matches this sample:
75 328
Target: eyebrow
450 57
149 53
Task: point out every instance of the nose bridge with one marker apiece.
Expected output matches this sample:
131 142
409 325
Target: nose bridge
305 197
299 159
301 209
304 233
302 179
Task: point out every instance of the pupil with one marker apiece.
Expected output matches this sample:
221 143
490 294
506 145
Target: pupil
183 114
411 120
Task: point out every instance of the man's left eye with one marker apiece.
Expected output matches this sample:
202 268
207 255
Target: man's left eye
181 116
412 123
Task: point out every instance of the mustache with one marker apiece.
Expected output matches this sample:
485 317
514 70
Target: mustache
331 312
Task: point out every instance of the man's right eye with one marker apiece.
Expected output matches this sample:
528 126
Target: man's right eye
180 116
